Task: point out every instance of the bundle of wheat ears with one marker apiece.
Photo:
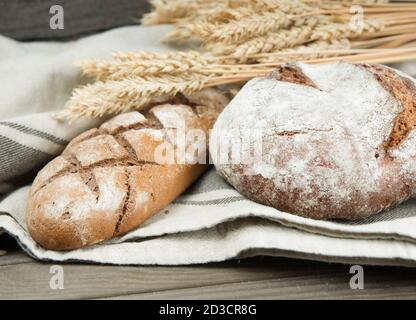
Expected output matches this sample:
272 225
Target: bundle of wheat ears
241 39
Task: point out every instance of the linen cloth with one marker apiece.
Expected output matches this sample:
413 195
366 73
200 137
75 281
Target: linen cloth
210 222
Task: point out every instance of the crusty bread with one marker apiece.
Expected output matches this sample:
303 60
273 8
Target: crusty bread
338 140
109 180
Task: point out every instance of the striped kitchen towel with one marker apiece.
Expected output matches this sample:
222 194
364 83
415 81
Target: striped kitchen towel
210 222
37 79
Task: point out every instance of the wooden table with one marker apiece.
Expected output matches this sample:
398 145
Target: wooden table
256 278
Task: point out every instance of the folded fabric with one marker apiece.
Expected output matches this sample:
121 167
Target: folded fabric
230 226
37 78
210 222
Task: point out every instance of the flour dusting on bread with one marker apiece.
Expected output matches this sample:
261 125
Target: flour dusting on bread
107 182
323 153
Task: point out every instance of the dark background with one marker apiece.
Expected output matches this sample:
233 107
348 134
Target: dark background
29 19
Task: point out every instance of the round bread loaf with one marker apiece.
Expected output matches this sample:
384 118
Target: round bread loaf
337 141
109 180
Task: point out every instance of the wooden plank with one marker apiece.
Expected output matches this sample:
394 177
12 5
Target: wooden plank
261 278
29 19
330 286
31 280
11 258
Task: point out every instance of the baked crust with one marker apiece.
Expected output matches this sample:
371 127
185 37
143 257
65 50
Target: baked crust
338 141
108 181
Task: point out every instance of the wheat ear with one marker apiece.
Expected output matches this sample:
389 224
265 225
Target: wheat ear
165 11
171 11
339 30
236 21
300 35
143 65
273 41
313 50
240 30
111 97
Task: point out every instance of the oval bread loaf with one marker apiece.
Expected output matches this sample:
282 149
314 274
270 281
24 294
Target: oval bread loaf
110 180
338 141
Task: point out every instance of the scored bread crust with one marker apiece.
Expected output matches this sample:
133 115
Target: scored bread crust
108 181
338 140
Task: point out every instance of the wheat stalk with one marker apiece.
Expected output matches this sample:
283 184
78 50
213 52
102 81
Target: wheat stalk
236 31
202 27
273 41
338 30
169 11
297 36
313 50
242 39
240 20
146 55
143 65
112 97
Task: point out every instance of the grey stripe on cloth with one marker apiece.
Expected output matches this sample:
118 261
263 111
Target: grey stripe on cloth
389 215
35 132
17 159
211 202
242 238
211 181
